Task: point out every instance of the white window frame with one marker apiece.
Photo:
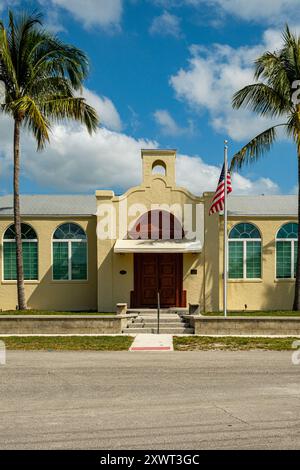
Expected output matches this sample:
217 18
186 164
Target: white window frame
293 273
70 241
26 240
244 241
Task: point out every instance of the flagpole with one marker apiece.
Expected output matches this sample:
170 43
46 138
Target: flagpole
225 248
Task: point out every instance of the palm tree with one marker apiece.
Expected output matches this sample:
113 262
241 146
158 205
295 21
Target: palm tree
41 75
275 95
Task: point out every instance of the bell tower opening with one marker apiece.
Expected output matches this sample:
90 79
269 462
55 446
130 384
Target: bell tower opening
159 168
159 164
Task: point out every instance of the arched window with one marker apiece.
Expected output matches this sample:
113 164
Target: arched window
287 251
244 252
157 225
30 253
69 246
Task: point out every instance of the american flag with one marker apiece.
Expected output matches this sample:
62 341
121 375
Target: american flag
218 200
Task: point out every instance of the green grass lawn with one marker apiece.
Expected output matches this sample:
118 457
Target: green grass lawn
206 343
122 343
49 312
276 313
68 343
279 313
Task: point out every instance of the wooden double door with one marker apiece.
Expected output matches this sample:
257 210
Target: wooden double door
155 273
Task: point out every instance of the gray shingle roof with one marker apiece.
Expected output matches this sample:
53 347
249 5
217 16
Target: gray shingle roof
263 205
44 205
81 205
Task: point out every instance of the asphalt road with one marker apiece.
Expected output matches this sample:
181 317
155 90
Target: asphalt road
204 400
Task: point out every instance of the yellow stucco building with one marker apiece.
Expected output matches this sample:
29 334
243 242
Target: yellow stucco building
91 252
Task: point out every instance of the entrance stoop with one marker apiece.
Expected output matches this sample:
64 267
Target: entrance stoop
153 311
151 343
171 322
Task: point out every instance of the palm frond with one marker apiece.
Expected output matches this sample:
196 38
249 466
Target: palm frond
48 86
8 72
257 147
29 112
61 59
277 70
290 53
42 75
293 127
266 64
277 73
262 99
60 108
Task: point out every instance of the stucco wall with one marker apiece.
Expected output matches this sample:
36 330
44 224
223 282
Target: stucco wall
194 283
154 189
245 326
113 287
267 293
212 257
75 324
106 286
46 293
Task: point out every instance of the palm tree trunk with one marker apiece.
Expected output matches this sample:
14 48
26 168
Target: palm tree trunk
296 305
17 217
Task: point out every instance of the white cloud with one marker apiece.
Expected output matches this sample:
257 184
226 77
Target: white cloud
198 176
109 116
268 11
76 162
6 3
104 160
134 119
168 124
53 21
103 13
211 78
246 186
166 25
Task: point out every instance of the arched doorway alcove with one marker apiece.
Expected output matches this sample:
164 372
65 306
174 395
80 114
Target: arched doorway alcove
158 273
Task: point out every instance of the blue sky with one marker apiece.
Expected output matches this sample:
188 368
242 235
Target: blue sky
162 74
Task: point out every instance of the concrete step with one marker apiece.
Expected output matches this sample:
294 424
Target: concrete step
170 323
167 331
153 311
162 321
170 318
153 324
162 318
162 315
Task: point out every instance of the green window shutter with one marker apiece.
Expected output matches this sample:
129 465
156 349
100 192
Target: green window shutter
30 261
295 257
79 261
10 262
60 261
253 260
283 260
236 261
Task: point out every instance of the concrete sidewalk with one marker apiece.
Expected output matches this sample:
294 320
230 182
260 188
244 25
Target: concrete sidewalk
150 342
